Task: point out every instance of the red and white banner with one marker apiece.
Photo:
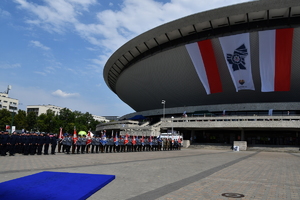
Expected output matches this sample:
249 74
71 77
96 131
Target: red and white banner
89 138
133 140
236 50
275 58
203 58
126 138
75 136
60 136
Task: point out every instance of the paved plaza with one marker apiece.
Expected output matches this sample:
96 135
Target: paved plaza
171 175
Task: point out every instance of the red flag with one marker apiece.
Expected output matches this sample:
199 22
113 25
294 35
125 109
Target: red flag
89 138
142 139
133 141
75 136
126 139
150 139
116 137
60 133
179 140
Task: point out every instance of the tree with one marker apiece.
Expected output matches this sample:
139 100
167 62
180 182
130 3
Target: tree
41 121
31 121
49 122
65 118
20 120
5 118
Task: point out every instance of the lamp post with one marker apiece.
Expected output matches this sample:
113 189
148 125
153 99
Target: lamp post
163 102
172 124
12 121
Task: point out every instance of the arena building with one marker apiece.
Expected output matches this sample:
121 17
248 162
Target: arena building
217 76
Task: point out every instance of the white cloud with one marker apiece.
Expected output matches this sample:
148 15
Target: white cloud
40 73
114 28
38 44
60 93
92 49
4 14
9 66
55 16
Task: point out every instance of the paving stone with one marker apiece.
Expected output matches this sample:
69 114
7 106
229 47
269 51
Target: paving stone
172 175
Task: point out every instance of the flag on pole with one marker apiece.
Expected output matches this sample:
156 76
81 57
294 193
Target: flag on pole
172 139
134 140
103 141
236 50
203 58
126 139
116 141
150 140
60 136
179 140
275 59
142 140
89 138
75 136
270 113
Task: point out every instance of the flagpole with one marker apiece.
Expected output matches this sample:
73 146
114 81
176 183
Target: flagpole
74 140
59 141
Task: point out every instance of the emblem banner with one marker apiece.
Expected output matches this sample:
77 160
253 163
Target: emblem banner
236 50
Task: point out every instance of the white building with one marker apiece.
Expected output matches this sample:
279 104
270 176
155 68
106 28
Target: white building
100 118
39 109
8 103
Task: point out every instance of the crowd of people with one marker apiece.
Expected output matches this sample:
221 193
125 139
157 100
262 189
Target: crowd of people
45 143
27 143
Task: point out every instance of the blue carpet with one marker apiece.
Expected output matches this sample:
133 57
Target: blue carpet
54 185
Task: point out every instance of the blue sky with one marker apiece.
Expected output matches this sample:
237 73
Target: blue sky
54 51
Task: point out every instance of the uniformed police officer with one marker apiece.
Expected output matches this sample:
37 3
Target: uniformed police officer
67 142
13 141
129 145
147 144
154 144
78 144
40 143
97 143
83 144
138 144
46 144
53 142
93 143
121 144
110 145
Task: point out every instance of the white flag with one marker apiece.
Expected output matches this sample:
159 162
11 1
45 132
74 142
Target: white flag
236 50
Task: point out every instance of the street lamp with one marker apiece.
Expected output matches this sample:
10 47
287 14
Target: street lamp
172 124
12 121
163 102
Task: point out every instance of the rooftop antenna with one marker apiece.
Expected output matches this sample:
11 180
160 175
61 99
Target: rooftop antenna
8 88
